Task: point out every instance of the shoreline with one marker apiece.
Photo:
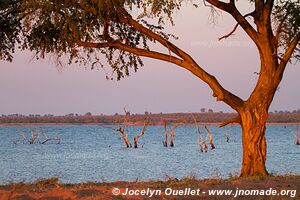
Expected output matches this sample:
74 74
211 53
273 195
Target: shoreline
137 124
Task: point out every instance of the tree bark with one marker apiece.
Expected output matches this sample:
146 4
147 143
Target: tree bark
254 112
254 144
253 122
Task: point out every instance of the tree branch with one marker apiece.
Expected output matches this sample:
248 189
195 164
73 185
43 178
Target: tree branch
210 138
279 29
171 47
93 45
135 139
232 10
235 27
229 34
231 121
288 53
269 4
186 62
259 7
222 5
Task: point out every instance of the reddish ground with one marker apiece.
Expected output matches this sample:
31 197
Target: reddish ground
51 189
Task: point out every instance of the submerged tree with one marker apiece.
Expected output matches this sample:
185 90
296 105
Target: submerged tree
123 130
136 138
169 132
85 29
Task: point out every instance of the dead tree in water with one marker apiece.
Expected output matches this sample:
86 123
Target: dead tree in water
36 137
201 140
200 144
297 142
165 143
212 146
124 137
56 138
22 139
124 131
136 138
172 135
170 132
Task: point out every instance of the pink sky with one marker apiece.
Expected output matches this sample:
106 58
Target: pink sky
29 86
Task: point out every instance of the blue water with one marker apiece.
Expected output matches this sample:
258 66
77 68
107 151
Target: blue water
94 153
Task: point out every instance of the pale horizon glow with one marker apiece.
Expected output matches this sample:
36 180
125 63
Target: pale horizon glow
36 87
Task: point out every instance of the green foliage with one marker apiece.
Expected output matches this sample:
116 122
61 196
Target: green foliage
286 15
56 27
10 27
84 30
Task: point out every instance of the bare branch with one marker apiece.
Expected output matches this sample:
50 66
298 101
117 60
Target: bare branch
196 123
235 27
232 10
135 139
229 34
34 136
172 132
200 144
221 5
93 45
203 143
165 143
231 121
212 146
126 120
125 139
287 55
56 138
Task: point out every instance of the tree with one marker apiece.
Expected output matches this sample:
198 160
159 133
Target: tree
85 29
88 114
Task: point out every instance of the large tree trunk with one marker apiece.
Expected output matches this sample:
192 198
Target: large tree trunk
254 144
254 114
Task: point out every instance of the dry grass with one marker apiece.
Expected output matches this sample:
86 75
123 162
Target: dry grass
53 189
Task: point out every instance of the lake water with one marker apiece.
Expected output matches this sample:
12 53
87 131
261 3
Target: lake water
94 153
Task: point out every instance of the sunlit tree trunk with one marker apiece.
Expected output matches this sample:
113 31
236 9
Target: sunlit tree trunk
254 143
254 115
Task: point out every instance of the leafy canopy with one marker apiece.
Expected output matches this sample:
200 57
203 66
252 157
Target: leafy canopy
83 30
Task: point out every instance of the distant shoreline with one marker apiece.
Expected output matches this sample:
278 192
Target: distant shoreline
154 119
134 124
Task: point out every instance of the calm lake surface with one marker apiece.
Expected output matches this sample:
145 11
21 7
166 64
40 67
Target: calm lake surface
94 153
